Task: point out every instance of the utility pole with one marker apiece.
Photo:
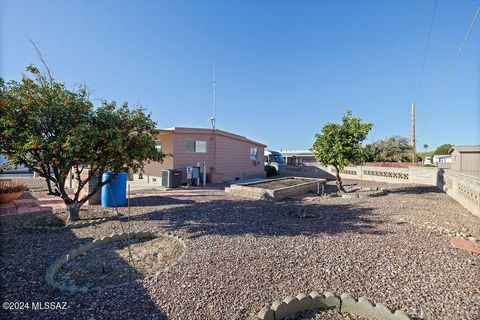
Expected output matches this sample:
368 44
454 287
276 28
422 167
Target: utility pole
413 133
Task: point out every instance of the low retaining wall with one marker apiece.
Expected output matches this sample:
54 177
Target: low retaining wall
425 176
416 175
461 186
249 190
464 188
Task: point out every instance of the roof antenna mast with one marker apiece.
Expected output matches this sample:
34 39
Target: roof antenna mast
214 118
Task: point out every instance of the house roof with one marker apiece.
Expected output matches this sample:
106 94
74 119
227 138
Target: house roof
475 148
208 131
297 153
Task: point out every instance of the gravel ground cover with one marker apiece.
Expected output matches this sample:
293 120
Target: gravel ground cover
242 254
36 186
322 315
60 219
117 263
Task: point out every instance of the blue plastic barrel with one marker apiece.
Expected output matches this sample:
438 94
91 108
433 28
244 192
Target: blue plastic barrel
117 196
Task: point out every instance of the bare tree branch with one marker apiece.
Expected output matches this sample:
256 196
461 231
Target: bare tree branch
42 59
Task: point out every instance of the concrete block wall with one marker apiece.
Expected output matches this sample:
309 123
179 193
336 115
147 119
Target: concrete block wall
249 190
461 186
283 193
309 172
464 188
426 176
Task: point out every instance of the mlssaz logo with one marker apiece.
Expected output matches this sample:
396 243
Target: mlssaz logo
49 305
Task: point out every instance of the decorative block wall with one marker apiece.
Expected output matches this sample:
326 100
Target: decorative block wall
461 186
464 188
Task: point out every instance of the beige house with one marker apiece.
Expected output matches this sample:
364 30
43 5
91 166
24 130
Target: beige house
465 158
227 156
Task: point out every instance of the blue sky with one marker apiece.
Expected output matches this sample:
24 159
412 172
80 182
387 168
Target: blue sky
284 68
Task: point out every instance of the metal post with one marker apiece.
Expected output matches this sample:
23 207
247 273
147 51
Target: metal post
413 133
320 186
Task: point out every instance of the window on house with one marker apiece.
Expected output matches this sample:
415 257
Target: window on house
195 146
158 145
253 153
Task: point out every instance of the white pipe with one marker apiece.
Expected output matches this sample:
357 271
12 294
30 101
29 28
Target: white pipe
204 174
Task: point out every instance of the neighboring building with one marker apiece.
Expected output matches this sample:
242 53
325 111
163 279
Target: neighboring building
297 157
465 158
442 161
442 158
227 156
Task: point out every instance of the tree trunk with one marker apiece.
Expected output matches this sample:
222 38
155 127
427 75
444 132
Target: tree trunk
339 181
48 173
73 211
50 191
49 185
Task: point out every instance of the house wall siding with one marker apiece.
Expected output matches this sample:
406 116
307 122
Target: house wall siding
233 158
182 159
466 161
471 161
155 168
232 154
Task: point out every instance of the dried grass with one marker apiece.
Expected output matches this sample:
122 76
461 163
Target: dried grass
7 186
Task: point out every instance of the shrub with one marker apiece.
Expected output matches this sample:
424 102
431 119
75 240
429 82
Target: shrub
54 132
7 186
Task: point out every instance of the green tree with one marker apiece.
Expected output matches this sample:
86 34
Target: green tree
340 144
53 131
372 152
425 146
391 149
443 149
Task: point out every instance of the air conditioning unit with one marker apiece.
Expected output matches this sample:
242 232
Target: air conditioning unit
171 178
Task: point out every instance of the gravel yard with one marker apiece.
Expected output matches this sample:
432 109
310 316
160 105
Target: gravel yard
322 315
241 254
117 263
60 219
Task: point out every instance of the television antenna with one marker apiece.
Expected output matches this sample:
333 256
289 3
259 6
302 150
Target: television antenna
214 118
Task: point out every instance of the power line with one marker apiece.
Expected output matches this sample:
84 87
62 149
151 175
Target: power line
450 71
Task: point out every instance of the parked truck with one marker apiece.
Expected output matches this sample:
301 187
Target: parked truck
275 159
